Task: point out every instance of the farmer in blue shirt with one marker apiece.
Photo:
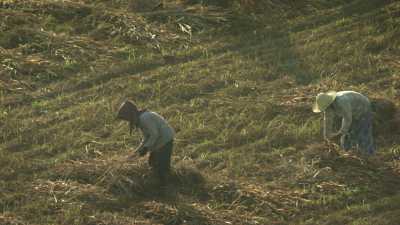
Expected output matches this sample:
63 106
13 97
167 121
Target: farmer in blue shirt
355 111
158 136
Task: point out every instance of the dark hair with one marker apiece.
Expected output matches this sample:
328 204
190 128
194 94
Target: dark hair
129 111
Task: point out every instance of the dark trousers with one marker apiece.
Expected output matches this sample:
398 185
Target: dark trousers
360 135
160 161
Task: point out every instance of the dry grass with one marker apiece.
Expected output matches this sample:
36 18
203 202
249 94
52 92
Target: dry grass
236 79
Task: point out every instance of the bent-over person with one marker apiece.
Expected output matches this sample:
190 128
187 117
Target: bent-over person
354 109
158 136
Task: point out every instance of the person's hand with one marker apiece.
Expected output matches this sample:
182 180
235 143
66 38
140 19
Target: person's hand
131 157
334 135
332 138
142 151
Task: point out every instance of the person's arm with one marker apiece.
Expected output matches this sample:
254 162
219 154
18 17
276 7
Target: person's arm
328 123
347 118
151 134
141 149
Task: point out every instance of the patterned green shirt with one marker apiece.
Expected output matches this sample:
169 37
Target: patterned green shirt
348 105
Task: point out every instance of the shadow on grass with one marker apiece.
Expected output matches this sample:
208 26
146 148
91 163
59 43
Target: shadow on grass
161 204
369 178
112 187
346 186
125 183
355 8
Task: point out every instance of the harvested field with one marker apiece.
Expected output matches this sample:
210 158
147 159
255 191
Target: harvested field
236 79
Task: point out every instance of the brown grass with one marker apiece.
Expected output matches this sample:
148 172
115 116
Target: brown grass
236 79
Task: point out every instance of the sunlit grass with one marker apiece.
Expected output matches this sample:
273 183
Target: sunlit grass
239 95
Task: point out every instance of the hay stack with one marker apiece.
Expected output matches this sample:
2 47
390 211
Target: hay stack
115 175
9 219
386 118
128 178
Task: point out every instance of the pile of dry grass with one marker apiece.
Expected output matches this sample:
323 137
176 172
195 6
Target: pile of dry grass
186 174
62 196
129 28
67 192
251 200
107 182
66 11
115 174
10 219
191 214
191 19
38 61
100 22
128 178
386 118
246 5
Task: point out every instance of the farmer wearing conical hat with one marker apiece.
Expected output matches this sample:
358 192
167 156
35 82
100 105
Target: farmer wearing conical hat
355 111
158 136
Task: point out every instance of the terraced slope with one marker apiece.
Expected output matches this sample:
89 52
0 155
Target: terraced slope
236 79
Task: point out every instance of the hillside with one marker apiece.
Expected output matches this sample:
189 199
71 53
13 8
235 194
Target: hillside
236 79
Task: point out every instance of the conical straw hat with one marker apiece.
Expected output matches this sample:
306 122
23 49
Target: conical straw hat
323 100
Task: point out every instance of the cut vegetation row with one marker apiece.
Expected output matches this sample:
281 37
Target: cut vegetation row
236 79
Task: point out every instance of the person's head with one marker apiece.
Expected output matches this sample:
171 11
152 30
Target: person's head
128 111
323 101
